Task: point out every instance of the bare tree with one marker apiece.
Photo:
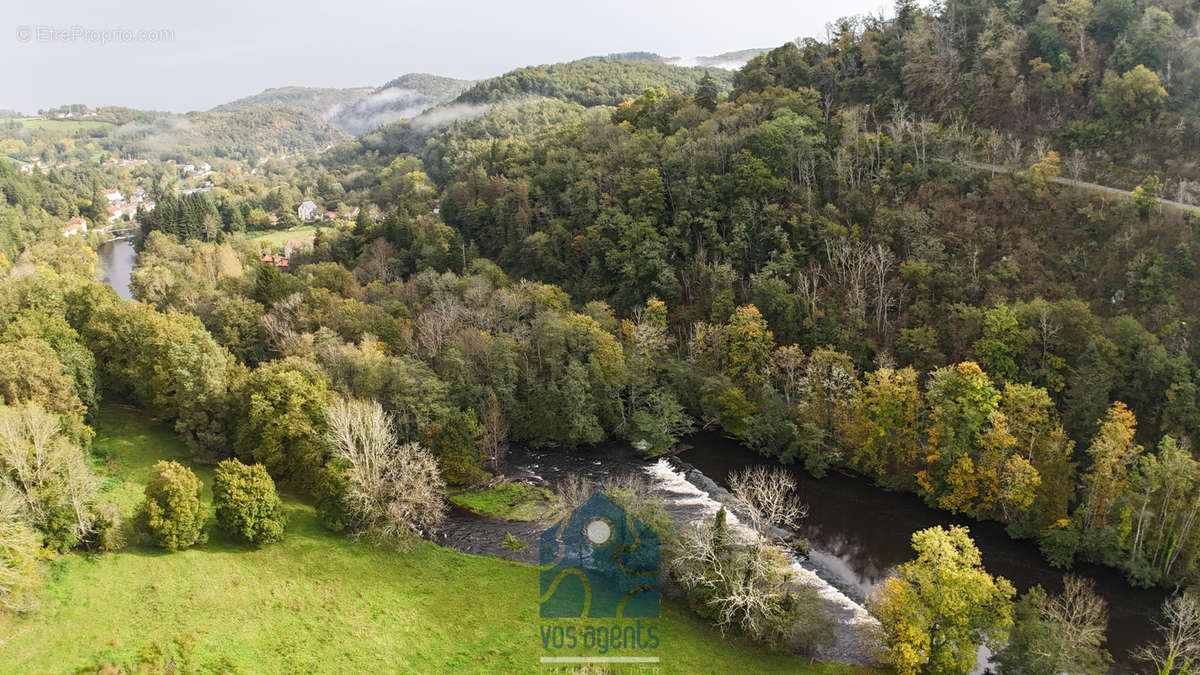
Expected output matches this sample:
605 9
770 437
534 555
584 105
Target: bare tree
1179 648
769 495
1078 619
395 491
573 490
46 470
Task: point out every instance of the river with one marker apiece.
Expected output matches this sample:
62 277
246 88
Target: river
857 533
117 259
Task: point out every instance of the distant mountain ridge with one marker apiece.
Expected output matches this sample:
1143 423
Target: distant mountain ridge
359 109
726 61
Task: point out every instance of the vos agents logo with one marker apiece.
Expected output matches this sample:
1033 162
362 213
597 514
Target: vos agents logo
599 562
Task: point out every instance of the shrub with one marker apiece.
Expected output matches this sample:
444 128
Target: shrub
172 516
106 531
513 544
246 504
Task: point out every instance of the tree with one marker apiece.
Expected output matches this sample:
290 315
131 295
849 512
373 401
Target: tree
454 441
745 587
1064 633
886 430
390 491
246 504
1044 172
942 605
769 496
706 92
1112 451
961 399
1075 16
1178 649
42 465
172 515
282 419
747 347
1135 96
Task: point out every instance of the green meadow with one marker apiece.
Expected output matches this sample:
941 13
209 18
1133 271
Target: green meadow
317 601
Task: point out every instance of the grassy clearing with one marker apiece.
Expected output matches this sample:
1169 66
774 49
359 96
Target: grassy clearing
511 501
281 237
314 602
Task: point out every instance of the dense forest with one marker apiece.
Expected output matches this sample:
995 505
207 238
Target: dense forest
852 254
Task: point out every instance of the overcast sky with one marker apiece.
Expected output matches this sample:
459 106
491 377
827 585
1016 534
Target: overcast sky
200 54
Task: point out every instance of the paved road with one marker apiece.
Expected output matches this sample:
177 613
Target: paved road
996 168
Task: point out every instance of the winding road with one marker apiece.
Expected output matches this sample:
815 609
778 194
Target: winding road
996 168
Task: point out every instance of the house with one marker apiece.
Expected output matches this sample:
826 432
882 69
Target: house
307 211
272 219
114 213
75 226
297 245
113 195
279 261
204 167
329 216
353 214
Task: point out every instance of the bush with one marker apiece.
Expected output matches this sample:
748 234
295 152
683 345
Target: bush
172 516
246 504
106 531
333 482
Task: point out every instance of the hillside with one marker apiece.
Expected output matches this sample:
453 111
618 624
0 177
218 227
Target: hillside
314 101
404 97
360 109
590 83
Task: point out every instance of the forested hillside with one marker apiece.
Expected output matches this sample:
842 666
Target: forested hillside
818 213
590 83
851 255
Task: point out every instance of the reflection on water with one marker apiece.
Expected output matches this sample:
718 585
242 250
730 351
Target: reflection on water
117 259
859 533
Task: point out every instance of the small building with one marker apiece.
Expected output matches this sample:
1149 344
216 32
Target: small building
113 195
330 216
307 211
278 260
297 245
75 226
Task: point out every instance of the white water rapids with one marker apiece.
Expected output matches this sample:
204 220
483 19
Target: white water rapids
689 504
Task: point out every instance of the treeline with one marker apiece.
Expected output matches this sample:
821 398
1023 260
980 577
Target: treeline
591 82
1108 79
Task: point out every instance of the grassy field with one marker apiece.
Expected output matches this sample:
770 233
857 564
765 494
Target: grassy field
314 602
511 501
280 237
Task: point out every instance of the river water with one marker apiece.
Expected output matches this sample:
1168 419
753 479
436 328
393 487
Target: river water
857 533
117 259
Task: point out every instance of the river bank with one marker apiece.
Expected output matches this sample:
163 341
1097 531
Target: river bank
857 533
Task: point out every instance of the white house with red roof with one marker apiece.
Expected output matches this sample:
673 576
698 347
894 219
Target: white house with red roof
75 226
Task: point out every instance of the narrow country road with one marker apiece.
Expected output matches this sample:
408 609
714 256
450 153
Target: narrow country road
996 168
